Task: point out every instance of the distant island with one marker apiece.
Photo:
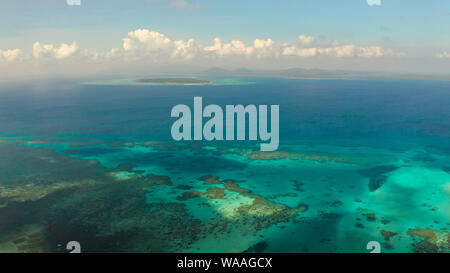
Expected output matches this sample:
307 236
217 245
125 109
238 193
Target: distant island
184 81
317 74
168 81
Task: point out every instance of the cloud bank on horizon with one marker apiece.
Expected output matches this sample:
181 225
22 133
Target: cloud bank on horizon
142 43
155 47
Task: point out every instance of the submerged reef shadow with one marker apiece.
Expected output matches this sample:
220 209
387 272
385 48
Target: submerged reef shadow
377 175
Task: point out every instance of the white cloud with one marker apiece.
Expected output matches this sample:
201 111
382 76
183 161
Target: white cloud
129 44
258 43
65 50
49 50
39 51
112 53
10 55
185 50
334 49
155 46
443 55
306 40
216 47
153 39
143 48
235 47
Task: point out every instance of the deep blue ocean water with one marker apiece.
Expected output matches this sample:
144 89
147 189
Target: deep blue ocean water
361 112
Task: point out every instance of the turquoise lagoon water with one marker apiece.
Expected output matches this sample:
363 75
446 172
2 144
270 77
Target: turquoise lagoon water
359 161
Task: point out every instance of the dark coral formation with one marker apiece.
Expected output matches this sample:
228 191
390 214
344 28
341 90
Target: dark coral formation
188 195
425 246
387 234
258 155
212 193
432 241
336 203
152 179
288 194
376 182
157 145
370 216
425 233
29 239
209 179
298 185
377 175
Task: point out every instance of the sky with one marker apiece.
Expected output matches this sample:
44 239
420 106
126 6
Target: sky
60 37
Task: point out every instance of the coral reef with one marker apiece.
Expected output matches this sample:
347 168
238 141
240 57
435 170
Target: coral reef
370 216
108 210
260 213
34 191
27 239
427 234
209 179
387 234
258 155
432 241
212 193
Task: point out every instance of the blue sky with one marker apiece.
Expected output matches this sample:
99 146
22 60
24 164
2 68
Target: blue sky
407 21
418 28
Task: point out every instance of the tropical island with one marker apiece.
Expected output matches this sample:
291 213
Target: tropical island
184 81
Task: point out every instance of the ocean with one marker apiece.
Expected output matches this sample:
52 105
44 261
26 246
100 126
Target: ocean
359 160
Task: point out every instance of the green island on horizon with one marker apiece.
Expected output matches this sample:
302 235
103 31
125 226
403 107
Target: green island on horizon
183 81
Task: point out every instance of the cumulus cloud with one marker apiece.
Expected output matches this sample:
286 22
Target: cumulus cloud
239 48
49 50
143 48
306 40
152 39
145 43
335 49
185 50
340 51
443 55
235 47
129 44
10 55
258 43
